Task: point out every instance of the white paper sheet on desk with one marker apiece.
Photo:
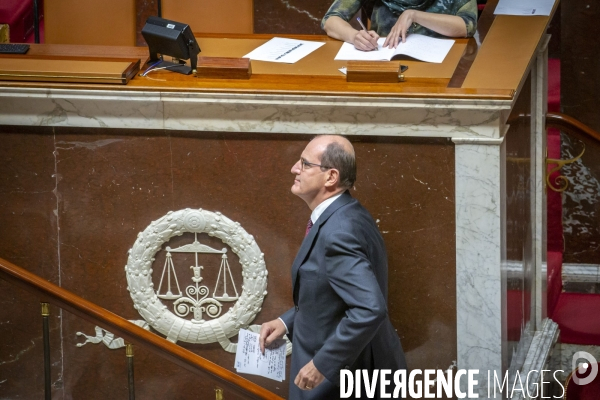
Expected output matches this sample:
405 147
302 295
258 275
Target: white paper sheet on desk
417 46
249 359
284 50
522 7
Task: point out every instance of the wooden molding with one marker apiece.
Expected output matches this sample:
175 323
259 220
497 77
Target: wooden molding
224 68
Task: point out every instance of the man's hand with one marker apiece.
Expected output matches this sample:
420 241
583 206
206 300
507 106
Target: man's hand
309 377
269 331
365 40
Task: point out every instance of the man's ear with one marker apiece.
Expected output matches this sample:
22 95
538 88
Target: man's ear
333 178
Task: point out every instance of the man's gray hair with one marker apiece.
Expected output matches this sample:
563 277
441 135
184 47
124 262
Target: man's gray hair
336 156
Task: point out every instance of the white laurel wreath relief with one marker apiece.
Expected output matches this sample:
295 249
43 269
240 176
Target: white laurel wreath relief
146 300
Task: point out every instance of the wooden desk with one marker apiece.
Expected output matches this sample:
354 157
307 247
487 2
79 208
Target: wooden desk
441 170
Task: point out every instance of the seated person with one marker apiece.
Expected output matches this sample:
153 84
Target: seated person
398 18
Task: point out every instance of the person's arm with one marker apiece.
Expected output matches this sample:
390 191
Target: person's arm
335 24
444 24
338 28
309 377
351 276
460 22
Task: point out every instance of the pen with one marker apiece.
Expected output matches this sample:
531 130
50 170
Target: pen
361 24
364 28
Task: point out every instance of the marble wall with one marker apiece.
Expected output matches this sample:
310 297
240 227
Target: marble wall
26 184
270 16
581 200
580 95
289 16
74 199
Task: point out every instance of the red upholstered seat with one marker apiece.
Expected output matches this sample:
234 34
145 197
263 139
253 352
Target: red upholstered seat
18 14
577 314
590 391
578 317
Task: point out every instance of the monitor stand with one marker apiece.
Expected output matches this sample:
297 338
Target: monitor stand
178 67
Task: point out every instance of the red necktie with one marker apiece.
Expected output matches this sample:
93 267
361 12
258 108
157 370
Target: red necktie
308 226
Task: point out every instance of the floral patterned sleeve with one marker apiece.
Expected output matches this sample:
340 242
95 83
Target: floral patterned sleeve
468 12
345 9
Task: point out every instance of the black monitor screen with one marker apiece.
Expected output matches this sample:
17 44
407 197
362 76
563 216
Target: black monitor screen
170 38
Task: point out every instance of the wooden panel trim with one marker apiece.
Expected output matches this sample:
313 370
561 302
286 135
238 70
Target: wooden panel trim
518 36
260 83
62 69
509 35
264 85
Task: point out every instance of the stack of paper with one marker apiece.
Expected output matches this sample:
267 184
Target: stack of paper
283 50
417 46
520 7
250 360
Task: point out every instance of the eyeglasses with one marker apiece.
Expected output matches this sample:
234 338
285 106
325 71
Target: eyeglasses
305 165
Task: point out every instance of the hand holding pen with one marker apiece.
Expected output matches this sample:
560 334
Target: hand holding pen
365 40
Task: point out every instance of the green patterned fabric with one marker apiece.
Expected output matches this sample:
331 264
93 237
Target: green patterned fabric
398 6
383 18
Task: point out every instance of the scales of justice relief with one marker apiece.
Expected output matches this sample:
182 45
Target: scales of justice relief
197 316
197 300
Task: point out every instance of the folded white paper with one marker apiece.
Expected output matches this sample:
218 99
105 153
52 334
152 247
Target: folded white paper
520 7
249 359
284 50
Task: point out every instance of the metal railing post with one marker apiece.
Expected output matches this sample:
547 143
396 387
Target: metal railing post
129 354
46 338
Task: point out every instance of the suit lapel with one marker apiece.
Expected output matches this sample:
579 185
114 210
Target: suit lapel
307 243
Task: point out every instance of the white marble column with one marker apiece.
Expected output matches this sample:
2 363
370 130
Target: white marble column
480 249
481 244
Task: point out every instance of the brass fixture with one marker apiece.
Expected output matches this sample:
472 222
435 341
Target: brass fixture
129 350
559 164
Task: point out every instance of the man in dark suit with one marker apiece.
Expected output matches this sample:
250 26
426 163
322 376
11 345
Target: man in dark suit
339 280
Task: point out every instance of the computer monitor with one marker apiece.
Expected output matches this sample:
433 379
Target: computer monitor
174 39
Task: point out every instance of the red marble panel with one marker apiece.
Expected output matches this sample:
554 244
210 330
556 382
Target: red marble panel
28 238
143 9
112 183
289 16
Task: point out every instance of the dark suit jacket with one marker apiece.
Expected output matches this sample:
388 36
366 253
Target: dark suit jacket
339 281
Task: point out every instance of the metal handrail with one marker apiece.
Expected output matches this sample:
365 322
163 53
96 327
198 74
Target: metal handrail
48 292
570 125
